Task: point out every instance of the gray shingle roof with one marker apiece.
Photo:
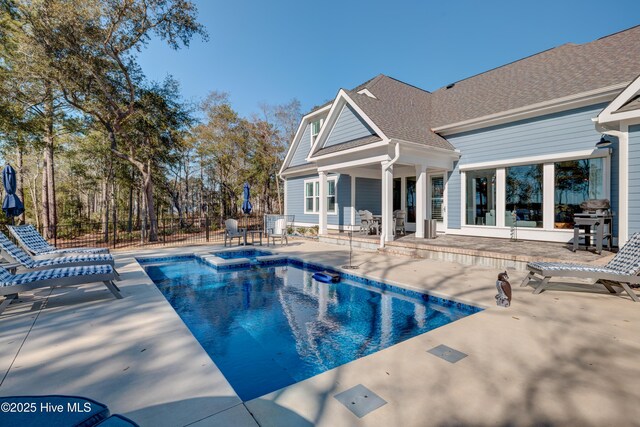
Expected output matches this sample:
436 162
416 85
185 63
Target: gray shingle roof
633 104
566 70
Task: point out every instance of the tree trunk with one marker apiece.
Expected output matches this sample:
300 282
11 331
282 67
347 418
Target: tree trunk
105 209
45 201
148 192
49 141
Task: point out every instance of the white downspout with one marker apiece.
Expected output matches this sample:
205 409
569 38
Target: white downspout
623 177
384 170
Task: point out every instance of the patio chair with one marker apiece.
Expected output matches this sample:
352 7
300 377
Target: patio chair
621 271
232 232
13 254
33 242
12 284
399 226
368 223
279 232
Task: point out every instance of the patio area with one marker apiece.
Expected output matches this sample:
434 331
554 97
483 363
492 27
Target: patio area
564 357
472 250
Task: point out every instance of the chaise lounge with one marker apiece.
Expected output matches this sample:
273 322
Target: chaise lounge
12 284
13 254
35 244
623 270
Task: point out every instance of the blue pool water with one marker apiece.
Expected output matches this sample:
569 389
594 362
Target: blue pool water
248 253
270 327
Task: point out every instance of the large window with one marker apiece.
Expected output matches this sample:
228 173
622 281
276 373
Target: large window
312 196
437 197
411 199
481 197
523 196
575 182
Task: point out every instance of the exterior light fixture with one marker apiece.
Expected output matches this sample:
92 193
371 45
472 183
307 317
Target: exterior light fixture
603 143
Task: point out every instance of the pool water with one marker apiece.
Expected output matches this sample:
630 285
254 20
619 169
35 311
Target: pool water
247 253
270 327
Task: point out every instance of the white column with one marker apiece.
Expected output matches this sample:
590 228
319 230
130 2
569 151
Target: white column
322 202
548 197
501 196
421 196
387 202
353 202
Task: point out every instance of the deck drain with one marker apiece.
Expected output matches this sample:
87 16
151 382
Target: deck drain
360 400
447 353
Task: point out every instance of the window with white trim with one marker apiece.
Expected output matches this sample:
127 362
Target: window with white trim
315 129
312 196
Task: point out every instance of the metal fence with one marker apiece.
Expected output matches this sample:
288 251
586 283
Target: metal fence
170 232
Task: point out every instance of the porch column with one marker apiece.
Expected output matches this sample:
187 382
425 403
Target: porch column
421 199
322 203
387 202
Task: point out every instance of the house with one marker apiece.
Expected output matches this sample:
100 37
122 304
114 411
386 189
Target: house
513 145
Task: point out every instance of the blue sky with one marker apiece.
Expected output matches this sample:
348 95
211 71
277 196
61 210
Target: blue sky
274 51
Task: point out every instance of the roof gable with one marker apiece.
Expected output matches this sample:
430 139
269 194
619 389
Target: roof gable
349 126
625 106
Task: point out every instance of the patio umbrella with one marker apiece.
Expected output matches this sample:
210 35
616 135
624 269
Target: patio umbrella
246 204
12 205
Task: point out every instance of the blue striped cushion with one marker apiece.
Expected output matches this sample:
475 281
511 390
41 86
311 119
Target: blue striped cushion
89 258
55 273
30 237
578 268
76 251
628 258
18 254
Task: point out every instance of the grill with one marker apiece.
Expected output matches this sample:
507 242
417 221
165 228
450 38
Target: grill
595 221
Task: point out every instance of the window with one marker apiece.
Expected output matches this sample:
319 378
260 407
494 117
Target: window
315 129
437 197
312 196
575 182
481 197
523 196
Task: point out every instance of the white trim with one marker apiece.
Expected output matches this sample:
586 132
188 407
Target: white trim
501 195
366 92
578 100
336 107
316 198
311 170
558 157
354 163
548 196
353 200
609 113
524 233
298 136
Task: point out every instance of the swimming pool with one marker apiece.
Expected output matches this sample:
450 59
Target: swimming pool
271 326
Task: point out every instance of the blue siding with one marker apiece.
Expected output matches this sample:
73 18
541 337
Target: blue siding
556 133
295 201
453 198
634 179
369 195
303 148
348 127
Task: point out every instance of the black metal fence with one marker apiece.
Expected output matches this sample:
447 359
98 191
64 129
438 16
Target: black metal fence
167 232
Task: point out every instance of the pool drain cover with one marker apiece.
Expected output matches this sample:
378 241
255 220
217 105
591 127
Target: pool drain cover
360 400
447 353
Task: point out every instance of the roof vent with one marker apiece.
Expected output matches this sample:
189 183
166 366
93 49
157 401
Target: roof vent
450 85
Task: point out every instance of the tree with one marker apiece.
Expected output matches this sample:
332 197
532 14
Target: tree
91 45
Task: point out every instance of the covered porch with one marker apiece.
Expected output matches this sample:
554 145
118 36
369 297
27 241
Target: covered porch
383 179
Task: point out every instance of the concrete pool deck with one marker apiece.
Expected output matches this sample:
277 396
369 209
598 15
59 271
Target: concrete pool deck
558 358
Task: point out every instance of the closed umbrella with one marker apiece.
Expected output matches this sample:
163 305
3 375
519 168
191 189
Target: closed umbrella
12 205
246 204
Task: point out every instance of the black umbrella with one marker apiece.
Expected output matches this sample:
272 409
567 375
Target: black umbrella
12 205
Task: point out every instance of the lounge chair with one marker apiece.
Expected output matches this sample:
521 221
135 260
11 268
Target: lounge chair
621 271
33 242
279 231
12 253
233 232
12 284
